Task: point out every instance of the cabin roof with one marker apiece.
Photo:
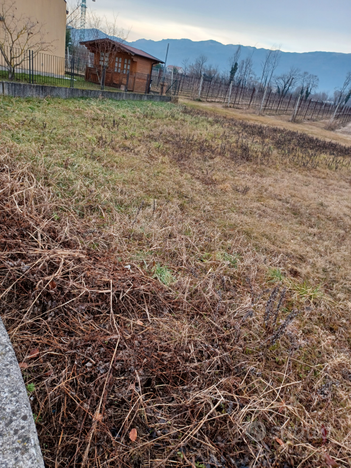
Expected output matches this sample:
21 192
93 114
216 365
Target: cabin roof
120 45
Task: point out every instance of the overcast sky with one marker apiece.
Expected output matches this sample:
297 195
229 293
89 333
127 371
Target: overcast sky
295 25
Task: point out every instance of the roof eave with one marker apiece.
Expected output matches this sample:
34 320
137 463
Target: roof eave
119 45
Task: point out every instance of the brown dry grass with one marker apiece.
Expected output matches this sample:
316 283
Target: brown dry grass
100 205
314 128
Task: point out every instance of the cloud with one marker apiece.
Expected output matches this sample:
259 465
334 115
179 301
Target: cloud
299 26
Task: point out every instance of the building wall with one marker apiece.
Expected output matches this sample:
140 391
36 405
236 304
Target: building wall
51 14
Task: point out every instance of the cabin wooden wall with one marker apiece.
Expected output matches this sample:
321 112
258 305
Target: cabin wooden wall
144 67
139 74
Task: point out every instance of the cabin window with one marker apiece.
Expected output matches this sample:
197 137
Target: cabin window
104 56
118 64
126 67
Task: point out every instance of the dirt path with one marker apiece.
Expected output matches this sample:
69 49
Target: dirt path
346 130
315 129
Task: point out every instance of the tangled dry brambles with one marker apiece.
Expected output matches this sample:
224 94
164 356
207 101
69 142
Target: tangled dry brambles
114 351
219 368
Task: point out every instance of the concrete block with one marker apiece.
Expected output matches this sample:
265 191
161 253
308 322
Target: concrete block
24 90
19 444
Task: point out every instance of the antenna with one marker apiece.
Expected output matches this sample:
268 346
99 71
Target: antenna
83 19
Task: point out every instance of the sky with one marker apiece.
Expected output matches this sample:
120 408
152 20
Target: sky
294 25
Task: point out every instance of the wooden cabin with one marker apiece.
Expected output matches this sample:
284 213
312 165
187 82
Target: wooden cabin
124 67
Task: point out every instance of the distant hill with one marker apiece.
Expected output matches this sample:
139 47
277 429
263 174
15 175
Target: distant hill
330 67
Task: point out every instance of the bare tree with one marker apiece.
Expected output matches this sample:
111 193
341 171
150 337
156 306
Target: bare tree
211 72
197 68
342 95
287 81
245 73
309 83
72 24
234 63
18 34
185 66
320 96
269 66
74 13
105 29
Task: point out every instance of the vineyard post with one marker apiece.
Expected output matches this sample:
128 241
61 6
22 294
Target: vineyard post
267 102
287 107
279 102
200 86
344 94
312 113
293 117
251 98
263 99
219 91
230 92
323 108
236 94
309 103
208 90
240 94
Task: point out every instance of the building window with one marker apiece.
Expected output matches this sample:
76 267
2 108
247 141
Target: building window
118 64
126 67
104 56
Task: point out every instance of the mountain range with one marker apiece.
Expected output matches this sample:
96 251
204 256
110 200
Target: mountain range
330 67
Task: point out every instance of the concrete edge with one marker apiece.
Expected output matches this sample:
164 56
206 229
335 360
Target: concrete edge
19 444
23 90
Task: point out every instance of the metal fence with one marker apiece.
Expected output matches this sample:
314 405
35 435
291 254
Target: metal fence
78 70
249 97
31 67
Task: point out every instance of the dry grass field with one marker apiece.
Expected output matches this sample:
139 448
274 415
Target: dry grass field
176 281
314 128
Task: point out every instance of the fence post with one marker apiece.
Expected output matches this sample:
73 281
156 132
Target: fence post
127 82
72 72
147 84
200 86
179 84
32 67
29 67
103 78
